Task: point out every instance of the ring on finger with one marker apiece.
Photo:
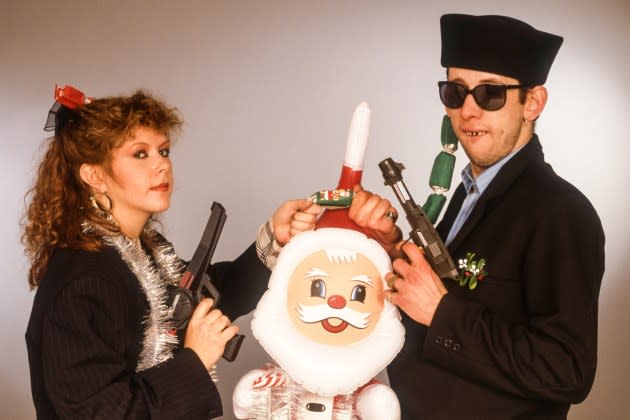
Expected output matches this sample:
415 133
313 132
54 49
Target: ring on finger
391 215
392 282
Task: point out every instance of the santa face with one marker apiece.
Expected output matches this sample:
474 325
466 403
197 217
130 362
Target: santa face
335 297
336 274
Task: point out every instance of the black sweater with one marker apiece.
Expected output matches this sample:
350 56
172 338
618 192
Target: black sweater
86 331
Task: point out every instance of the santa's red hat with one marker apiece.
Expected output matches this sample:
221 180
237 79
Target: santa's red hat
352 169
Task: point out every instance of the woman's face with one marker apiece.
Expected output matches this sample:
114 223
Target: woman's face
141 178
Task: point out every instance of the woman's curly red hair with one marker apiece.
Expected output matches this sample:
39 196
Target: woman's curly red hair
58 202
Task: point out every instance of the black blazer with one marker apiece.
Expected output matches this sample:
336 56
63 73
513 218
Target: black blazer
85 335
523 343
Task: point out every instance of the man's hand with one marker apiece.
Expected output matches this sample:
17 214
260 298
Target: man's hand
293 217
416 289
378 217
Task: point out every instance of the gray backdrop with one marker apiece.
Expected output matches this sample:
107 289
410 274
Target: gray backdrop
267 90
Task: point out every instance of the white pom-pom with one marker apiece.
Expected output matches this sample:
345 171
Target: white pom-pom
244 397
378 402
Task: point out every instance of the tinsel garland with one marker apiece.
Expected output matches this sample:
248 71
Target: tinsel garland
153 276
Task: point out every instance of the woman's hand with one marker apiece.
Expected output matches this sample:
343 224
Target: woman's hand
207 333
293 217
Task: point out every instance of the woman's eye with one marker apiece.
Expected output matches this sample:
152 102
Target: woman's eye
318 288
141 154
358 294
165 152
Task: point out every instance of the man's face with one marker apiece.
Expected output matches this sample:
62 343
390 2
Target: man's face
487 136
336 303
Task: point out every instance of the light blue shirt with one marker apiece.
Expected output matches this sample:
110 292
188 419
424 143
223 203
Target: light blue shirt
474 188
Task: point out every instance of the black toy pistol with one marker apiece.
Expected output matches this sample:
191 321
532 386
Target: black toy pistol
196 285
422 232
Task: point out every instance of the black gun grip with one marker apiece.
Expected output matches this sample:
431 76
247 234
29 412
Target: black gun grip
206 289
183 302
232 347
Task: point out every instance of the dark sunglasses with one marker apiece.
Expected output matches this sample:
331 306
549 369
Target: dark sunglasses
487 96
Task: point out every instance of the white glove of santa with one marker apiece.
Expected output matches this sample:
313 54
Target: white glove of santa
378 402
245 398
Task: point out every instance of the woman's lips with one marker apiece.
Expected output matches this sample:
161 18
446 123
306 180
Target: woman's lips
161 187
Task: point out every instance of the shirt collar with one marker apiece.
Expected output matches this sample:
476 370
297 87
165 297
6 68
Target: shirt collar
480 184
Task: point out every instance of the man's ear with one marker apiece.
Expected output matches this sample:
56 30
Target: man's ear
93 176
535 103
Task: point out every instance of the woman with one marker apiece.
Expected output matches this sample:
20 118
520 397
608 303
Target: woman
99 340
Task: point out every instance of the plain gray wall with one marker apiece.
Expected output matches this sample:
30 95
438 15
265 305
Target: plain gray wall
267 89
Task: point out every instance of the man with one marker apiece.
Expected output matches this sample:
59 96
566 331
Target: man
519 340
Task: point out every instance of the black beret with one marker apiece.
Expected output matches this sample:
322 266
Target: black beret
498 44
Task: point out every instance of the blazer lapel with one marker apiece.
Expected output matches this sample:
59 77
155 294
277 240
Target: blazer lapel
444 227
531 152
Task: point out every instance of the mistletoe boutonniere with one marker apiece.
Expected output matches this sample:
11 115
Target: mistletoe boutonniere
471 271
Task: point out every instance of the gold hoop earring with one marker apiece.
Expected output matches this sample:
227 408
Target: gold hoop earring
100 210
525 122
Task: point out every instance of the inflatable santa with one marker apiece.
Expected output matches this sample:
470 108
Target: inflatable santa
326 324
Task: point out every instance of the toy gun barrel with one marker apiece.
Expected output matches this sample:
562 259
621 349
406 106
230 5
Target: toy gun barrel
422 232
196 285
193 276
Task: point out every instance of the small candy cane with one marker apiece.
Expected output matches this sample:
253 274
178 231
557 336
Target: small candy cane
269 380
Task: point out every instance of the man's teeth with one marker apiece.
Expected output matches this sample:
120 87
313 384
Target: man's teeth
475 133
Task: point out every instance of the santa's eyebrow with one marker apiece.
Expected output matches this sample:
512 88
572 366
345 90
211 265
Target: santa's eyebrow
316 272
363 278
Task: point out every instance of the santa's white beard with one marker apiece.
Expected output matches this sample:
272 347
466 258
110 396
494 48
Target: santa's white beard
311 314
325 369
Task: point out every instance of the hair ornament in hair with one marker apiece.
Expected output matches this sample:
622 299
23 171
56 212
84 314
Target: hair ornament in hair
67 99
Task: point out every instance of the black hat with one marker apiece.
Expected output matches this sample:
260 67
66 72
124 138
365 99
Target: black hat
498 44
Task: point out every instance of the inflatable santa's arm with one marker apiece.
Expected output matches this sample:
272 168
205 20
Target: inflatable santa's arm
246 399
378 402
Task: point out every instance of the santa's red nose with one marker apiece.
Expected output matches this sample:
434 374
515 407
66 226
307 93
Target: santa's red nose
336 301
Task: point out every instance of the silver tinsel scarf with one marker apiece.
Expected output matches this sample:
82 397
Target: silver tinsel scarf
153 276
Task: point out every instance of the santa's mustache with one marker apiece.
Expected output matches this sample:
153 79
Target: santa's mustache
316 313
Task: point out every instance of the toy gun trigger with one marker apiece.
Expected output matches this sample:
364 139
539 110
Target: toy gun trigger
184 300
206 289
